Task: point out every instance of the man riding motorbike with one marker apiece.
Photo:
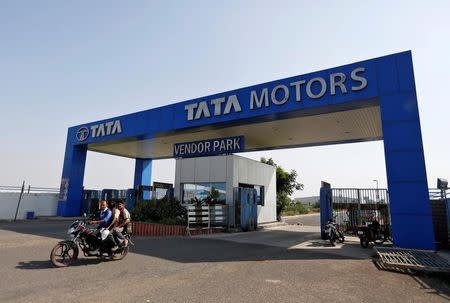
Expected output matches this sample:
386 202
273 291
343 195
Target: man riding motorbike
105 216
92 242
120 224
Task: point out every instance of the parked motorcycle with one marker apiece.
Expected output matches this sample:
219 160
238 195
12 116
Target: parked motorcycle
371 232
333 234
93 243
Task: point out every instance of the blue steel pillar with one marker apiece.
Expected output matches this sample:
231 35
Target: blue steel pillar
410 209
73 173
326 209
143 174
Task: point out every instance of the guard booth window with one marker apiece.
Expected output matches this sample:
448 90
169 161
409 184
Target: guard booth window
203 192
259 192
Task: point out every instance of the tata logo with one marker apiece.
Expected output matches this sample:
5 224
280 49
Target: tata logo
99 130
82 133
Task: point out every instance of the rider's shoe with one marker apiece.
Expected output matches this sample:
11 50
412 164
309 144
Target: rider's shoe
115 248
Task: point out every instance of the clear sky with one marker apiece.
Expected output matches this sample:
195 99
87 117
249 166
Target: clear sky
64 63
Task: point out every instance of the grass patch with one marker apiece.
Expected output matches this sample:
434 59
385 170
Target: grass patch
299 209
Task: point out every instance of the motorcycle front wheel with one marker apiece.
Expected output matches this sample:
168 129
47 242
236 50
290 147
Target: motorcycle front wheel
64 253
332 239
364 242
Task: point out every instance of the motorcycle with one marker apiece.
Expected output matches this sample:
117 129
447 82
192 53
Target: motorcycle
93 243
371 232
333 234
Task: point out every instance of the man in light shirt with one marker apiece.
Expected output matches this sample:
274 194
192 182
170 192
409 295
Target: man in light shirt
121 223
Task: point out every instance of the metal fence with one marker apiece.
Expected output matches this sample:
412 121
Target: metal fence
29 189
206 216
26 190
437 194
439 202
354 206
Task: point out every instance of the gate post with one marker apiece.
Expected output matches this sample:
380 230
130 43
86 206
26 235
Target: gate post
326 207
143 175
410 210
71 191
358 218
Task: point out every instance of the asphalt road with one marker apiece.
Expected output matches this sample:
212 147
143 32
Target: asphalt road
307 220
283 264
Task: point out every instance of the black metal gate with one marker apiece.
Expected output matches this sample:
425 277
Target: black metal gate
439 202
354 206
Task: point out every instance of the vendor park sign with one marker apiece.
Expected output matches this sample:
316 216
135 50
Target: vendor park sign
209 147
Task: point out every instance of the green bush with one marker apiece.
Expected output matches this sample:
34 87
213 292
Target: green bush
164 211
295 209
283 202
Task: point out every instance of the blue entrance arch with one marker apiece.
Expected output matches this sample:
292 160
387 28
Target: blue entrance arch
382 89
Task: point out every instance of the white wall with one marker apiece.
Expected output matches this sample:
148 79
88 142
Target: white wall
233 170
43 204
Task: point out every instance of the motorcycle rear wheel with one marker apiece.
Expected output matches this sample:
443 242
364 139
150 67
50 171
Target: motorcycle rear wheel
64 253
120 254
380 241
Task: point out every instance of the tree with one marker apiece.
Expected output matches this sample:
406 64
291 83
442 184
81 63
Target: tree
286 184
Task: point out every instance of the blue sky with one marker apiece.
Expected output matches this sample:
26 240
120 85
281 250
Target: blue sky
63 63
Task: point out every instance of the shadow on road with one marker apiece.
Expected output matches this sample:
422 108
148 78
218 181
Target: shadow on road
45 264
256 246
317 243
437 284
194 250
433 283
51 229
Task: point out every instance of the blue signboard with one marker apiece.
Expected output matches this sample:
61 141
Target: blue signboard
209 147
